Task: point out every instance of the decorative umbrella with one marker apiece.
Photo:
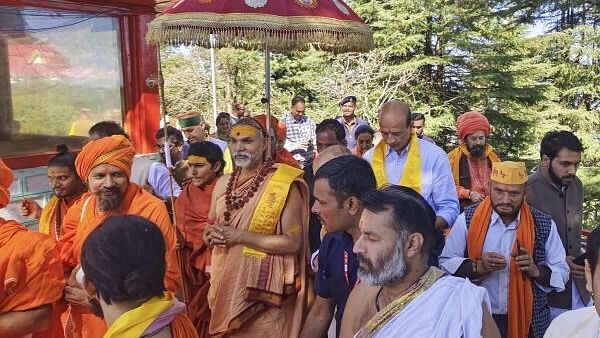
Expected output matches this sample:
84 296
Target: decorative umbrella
278 25
272 25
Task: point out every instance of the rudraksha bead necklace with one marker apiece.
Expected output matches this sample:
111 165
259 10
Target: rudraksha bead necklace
235 200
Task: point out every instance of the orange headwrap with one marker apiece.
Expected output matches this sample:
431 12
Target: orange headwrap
471 122
282 155
115 150
6 179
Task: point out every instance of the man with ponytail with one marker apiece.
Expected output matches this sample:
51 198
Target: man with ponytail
67 189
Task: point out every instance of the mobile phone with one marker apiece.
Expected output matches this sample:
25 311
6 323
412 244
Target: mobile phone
580 260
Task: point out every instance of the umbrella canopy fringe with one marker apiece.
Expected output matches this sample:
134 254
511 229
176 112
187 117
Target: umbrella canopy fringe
298 33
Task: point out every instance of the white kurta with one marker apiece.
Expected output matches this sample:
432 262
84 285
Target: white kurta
452 307
583 323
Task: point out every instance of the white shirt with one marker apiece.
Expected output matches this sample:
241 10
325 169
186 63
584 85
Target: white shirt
437 182
500 239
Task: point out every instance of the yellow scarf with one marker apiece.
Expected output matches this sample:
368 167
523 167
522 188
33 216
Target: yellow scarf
271 203
133 323
455 155
47 217
411 175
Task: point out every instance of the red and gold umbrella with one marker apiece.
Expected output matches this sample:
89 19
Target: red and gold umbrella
280 25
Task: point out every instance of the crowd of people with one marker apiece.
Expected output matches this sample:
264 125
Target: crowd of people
285 231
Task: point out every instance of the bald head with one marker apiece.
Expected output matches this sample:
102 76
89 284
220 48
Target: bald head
396 108
329 154
394 124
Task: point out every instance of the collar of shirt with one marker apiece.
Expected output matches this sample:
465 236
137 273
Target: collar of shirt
495 220
293 119
352 123
403 153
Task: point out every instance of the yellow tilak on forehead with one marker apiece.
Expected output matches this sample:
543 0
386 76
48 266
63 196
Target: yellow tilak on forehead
243 130
193 159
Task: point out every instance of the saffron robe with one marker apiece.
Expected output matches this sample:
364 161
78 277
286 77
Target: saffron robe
233 312
191 210
31 273
84 216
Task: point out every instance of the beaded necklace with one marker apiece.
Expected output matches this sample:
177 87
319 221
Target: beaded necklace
234 199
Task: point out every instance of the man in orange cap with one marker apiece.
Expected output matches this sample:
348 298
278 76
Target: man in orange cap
105 164
511 249
31 276
471 162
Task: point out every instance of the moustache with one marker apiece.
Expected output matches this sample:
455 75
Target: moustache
113 190
241 154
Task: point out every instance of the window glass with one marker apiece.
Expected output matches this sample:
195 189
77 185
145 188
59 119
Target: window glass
60 72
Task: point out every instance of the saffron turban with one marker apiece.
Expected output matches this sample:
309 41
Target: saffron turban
471 122
6 179
282 155
115 150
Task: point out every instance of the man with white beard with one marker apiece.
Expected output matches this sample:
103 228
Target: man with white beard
258 231
400 295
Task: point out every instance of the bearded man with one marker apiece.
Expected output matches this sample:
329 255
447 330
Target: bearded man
471 162
556 190
105 164
512 250
400 294
31 277
260 212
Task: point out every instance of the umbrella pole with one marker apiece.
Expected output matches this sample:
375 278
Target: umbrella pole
213 76
267 101
179 245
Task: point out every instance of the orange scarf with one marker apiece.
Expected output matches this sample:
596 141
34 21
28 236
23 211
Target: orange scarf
520 292
455 155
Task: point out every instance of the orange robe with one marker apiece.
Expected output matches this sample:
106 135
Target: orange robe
31 273
191 210
53 214
84 216
233 275
182 327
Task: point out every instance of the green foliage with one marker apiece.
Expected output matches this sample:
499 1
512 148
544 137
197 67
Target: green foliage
445 58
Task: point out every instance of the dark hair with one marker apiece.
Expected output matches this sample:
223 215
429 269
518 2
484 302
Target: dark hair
364 129
297 99
107 128
410 211
333 125
211 151
556 140
125 259
64 159
417 117
172 132
593 248
348 176
222 116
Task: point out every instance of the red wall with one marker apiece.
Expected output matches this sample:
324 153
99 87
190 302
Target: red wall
139 60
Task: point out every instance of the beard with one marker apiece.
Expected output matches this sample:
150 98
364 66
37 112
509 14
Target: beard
109 202
387 268
563 181
244 159
477 150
